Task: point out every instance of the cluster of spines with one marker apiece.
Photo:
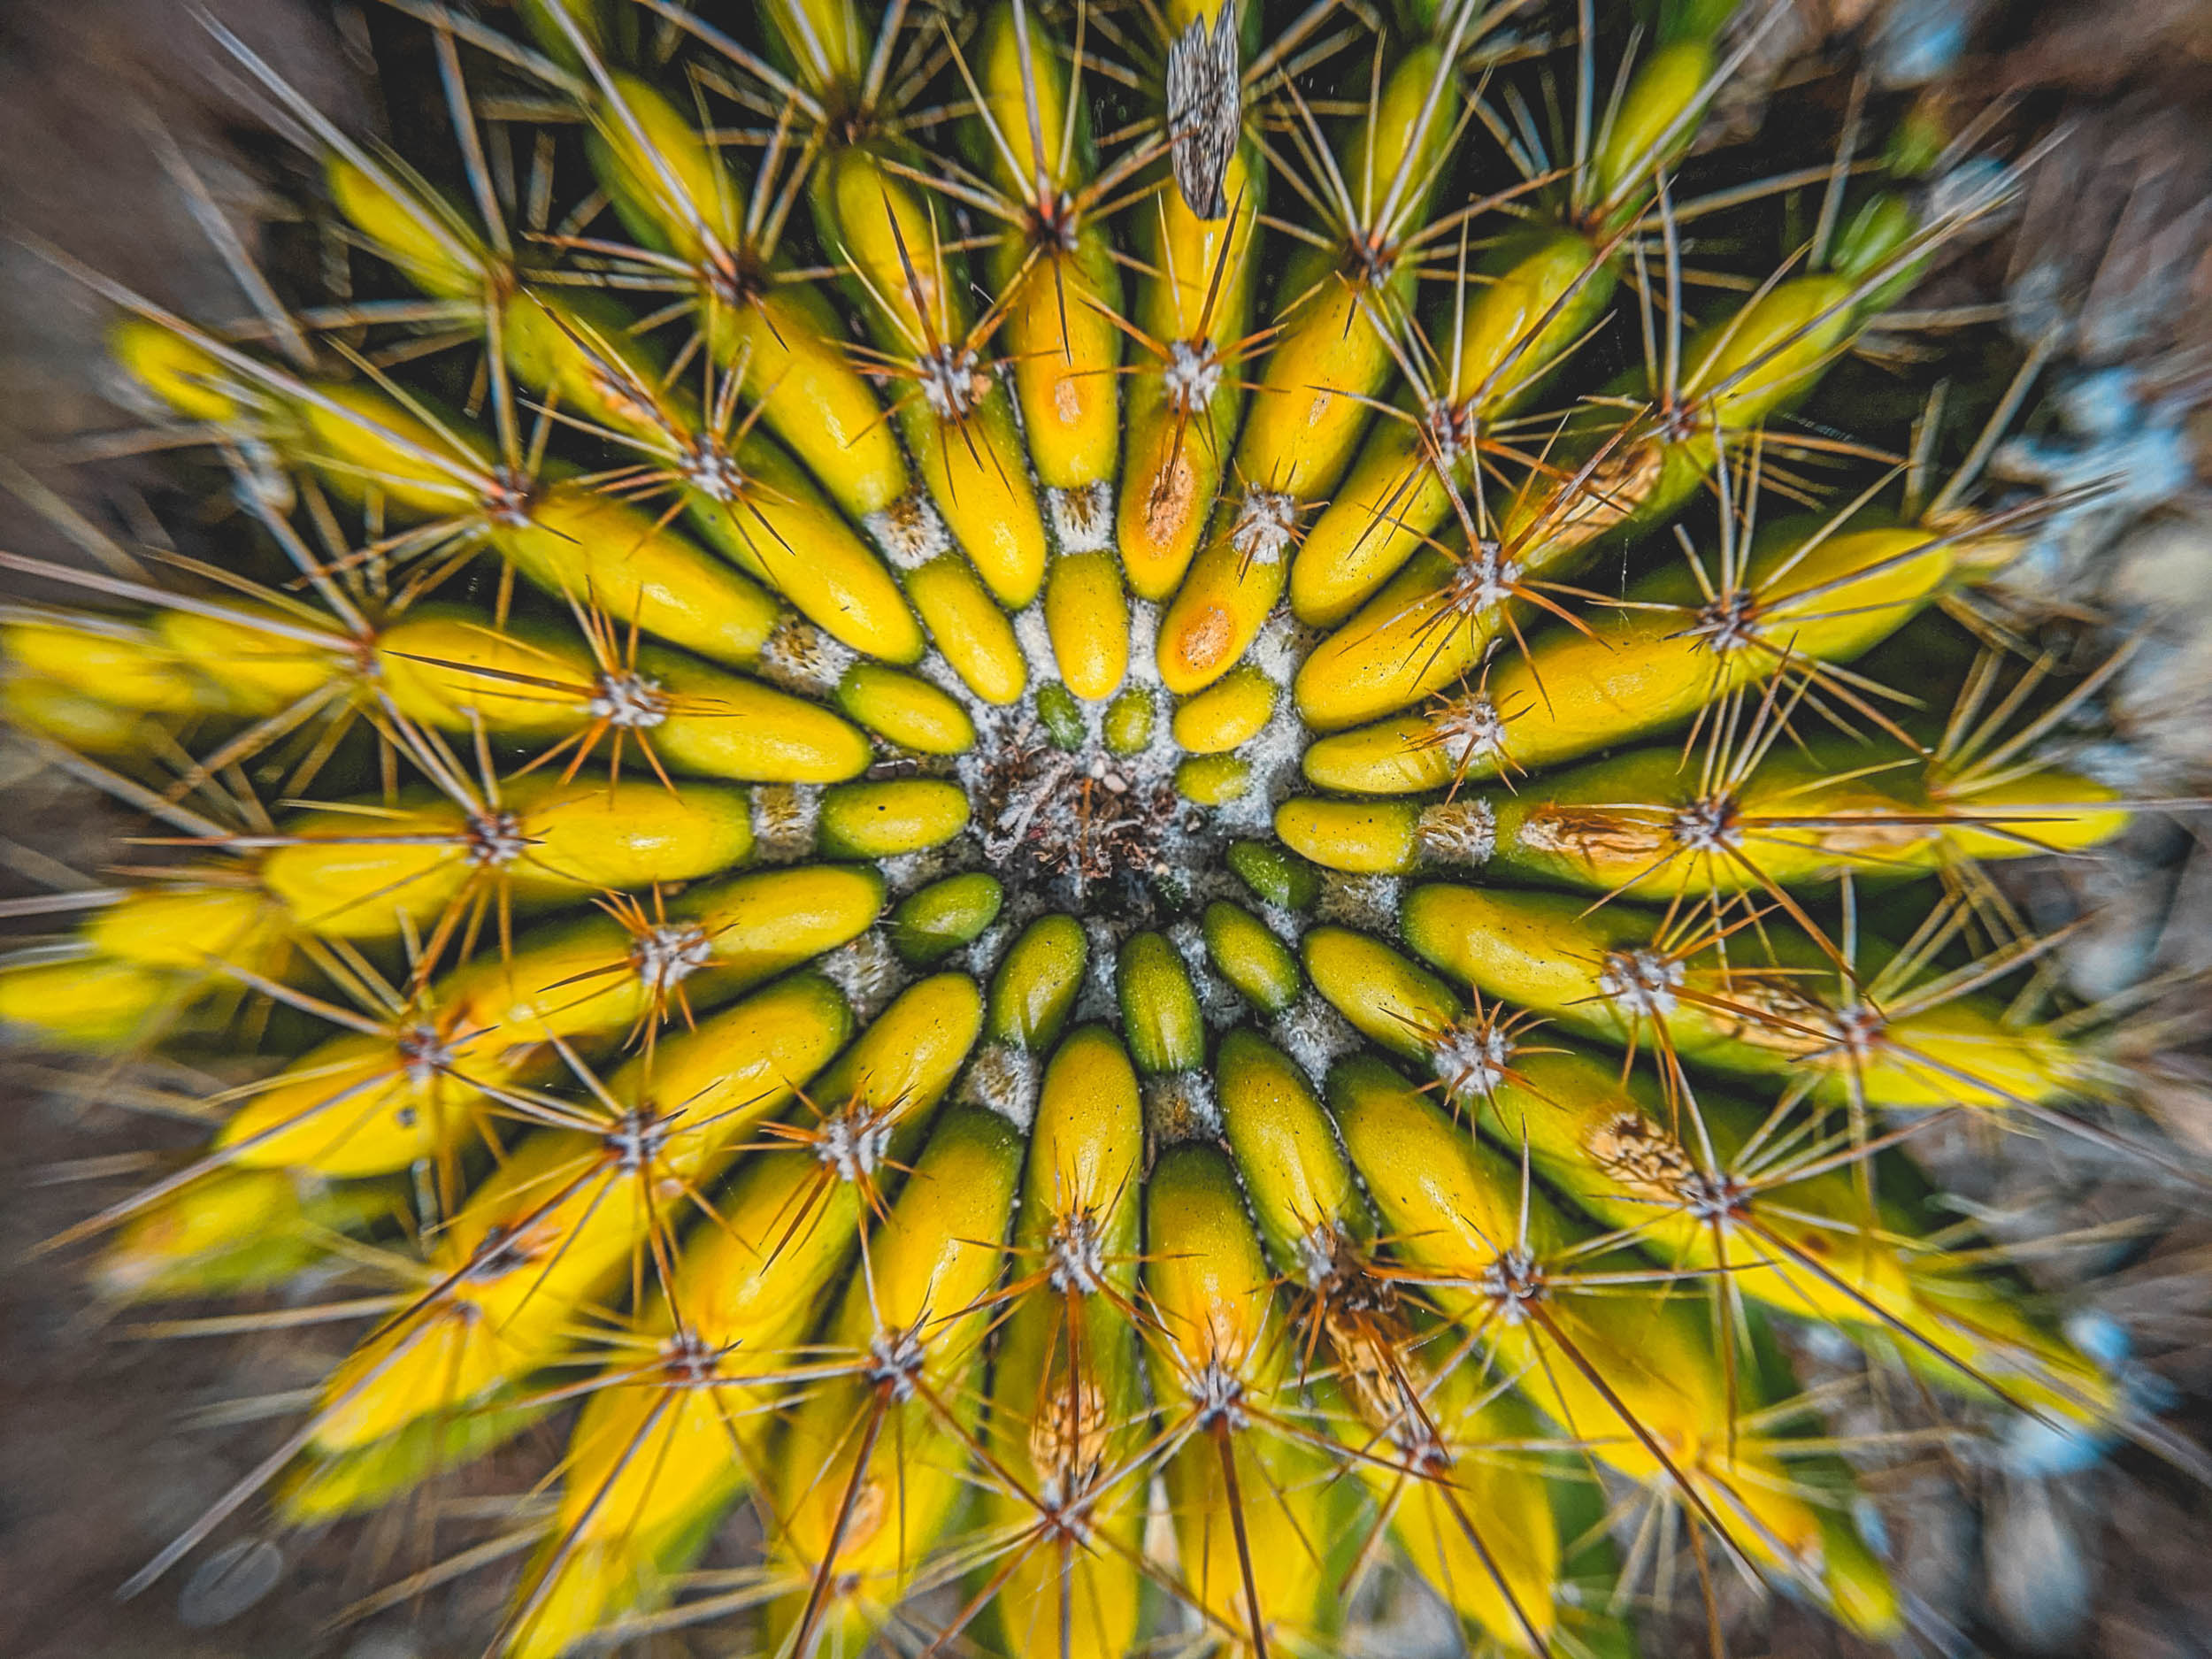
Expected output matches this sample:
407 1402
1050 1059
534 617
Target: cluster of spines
1323 1313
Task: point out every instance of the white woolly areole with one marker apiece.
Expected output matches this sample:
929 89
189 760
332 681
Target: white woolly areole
1471 1060
1076 1255
988 947
1144 652
1083 519
1642 980
1098 1000
1179 1106
1707 826
1451 428
894 1361
712 469
1314 1035
1484 581
1513 1281
904 873
1219 1002
854 1143
1278 648
1470 728
1729 623
1260 531
495 839
1217 1393
1367 902
1458 832
1316 1254
666 955
1193 375
952 379
910 531
800 656
630 701
1003 1078
1036 638
867 971
784 819
423 1056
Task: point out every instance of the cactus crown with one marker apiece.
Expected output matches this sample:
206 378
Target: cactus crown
1086 796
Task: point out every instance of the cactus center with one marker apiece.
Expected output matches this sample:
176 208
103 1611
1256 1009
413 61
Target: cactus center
1077 822
1051 511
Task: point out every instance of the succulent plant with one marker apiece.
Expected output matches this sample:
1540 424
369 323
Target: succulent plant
1149 813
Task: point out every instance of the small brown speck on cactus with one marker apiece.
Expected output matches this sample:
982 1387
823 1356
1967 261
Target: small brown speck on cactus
1100 829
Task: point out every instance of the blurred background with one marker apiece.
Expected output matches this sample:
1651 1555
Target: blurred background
107 107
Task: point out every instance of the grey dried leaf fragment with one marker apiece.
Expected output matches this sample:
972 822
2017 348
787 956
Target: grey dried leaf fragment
1204 107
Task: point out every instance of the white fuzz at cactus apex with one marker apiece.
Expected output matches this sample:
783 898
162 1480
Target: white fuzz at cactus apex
1060 830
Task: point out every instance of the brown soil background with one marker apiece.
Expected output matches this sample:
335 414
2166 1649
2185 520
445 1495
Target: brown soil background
97 1464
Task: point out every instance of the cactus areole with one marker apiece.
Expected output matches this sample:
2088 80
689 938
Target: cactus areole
1141 813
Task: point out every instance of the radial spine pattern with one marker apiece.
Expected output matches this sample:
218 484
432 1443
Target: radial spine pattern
1121 819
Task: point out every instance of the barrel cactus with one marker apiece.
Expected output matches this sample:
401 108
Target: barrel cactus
1125 824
